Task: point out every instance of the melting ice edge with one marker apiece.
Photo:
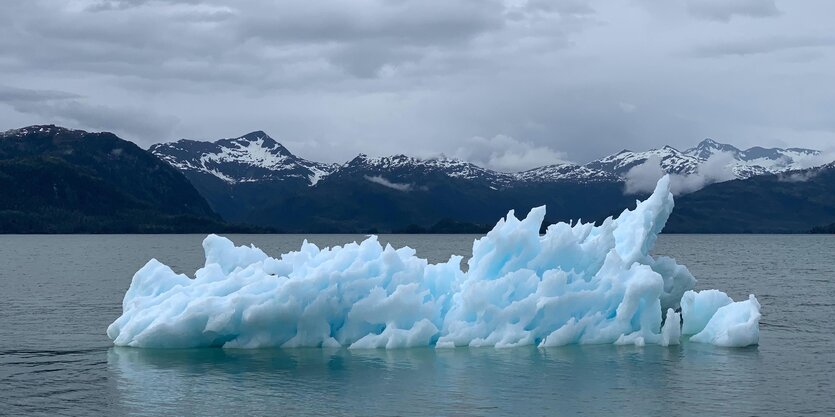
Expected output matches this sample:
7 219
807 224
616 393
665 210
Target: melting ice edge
577 284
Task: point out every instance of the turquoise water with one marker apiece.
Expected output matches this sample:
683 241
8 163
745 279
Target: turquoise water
59 293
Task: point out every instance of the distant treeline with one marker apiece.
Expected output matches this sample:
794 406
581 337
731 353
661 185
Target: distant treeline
823 229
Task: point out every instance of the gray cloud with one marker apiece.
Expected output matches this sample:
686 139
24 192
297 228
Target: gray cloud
506 154
23 95
388 184
642 178
67 108
725 10
253 44
107 5
801 176
567 79
763 45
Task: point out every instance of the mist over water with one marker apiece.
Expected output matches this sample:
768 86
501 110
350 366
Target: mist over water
59 293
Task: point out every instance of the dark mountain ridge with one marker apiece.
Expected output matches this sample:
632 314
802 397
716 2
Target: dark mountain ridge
57 180
791 202
385 193
400 192
60 180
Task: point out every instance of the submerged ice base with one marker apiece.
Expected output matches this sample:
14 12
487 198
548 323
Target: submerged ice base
576 284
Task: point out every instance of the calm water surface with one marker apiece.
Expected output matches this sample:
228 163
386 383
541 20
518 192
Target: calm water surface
59 293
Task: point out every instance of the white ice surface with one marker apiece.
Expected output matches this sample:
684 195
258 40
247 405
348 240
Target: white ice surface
576 284
734 325
698 307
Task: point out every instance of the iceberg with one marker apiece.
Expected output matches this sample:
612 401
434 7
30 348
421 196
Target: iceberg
733 325
699 307
579 283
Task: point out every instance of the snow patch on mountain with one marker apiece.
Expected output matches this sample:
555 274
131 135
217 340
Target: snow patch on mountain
249 158
740 163
565 172
460 169
707 163
757 160
43 129
405 166
670 159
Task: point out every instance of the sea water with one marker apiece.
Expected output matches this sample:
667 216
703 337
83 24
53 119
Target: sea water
59 293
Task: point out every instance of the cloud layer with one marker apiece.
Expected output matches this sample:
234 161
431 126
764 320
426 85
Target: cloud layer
377 179
508 83
642 179
506 154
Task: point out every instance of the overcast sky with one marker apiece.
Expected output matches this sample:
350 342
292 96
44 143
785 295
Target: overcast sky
509 84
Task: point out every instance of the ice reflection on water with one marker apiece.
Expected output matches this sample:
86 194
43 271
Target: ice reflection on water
526 381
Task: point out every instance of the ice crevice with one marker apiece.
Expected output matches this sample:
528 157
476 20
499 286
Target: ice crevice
576 284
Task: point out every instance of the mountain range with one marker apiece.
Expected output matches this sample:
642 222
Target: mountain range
740 163
254 180
257 157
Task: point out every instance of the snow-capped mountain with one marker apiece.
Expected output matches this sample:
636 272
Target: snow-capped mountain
565 172
401 165
407 168
672 161
709 147
256 157
249 158
40 130
757 160
742 163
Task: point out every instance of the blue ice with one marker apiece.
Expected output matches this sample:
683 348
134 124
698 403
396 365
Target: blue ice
576 284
